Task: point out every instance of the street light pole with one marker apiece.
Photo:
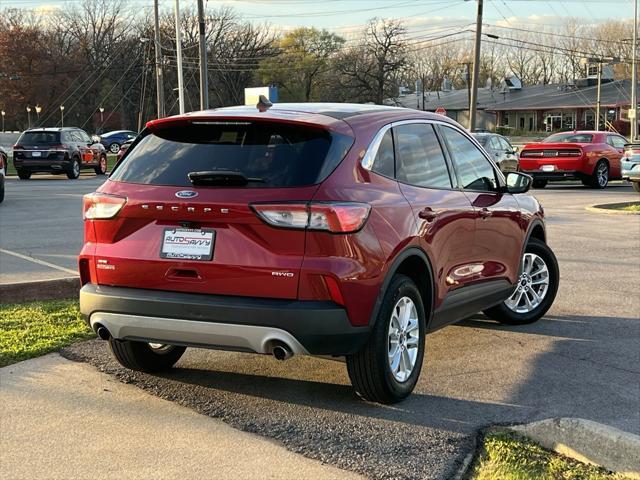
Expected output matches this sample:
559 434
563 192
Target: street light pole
29 116
598 97
158 50
634 78
476 70
204 78
3 113
62 115
38 110
179 58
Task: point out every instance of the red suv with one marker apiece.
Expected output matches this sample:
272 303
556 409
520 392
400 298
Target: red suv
593 157
323 229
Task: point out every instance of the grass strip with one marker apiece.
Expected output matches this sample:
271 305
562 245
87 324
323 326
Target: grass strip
508 456
33 329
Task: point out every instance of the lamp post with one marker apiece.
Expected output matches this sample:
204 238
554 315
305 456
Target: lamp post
38 110
3 113
29 116
62 115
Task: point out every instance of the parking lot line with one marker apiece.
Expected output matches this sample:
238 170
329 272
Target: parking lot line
39 262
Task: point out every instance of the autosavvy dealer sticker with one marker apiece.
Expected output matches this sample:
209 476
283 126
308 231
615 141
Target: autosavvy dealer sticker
187 244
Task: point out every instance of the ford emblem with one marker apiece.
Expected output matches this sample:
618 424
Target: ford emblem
186 194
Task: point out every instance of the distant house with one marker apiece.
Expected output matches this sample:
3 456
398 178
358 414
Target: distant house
548 108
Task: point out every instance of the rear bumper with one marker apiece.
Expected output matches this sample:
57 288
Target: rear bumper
45 165
224 322
556 175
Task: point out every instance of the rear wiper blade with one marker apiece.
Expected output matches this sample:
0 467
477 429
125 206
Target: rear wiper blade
221 177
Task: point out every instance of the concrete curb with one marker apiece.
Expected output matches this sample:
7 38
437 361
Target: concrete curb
608 208
39 290
587 442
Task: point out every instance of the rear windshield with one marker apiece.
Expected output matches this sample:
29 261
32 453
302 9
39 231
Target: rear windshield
37 138
569 138
482 139
276 155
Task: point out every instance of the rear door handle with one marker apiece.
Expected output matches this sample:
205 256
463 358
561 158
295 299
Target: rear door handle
485 213
428 214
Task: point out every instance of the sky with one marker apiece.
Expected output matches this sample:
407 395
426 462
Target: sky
346 15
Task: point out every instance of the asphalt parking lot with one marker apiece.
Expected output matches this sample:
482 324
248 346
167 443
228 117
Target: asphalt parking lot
41 219
581 360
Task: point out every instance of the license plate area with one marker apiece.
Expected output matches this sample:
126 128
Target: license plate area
187 243
36 154
548 168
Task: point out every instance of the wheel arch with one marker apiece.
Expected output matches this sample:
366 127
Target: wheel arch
414 263
536 230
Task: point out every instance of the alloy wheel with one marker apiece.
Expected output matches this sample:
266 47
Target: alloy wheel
602 174
403 339
533 285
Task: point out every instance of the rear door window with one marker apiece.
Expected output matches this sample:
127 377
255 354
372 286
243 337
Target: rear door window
419 157
270 154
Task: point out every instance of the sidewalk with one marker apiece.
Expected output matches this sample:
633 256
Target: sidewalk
66 420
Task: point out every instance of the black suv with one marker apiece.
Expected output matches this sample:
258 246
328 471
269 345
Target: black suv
58 150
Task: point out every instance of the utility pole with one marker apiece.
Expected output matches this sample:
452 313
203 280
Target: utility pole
598 97
179 57
634 78
476 70
204 78
159 74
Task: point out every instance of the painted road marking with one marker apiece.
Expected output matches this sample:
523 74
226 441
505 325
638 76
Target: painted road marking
39 262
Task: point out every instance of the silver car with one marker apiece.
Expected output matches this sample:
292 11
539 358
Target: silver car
503 153
630 163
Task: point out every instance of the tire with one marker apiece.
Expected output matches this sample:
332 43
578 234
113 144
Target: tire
140 356
369 369
114 147
539 183
24 174
636 186
2 190
503 313
101 169
74 169
600 177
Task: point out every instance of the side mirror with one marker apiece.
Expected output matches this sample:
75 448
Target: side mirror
95 139
515 149
518 182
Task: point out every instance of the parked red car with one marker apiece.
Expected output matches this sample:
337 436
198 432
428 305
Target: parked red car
323 229
590 156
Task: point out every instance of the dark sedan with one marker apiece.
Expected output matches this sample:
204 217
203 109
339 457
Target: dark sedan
501 151
112 141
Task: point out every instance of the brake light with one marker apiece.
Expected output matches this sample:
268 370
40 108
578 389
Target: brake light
18 147
60 147
330 217
100 206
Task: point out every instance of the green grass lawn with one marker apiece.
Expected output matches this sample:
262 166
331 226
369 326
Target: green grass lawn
111 161
32 329
507 456
632 208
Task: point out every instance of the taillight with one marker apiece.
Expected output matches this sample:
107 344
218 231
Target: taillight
18 147
330 217
60 147
100 206
1 161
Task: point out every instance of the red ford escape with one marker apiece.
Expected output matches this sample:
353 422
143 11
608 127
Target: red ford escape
322 229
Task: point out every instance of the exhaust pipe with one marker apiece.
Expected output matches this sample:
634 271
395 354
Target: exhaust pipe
103 333
282 352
